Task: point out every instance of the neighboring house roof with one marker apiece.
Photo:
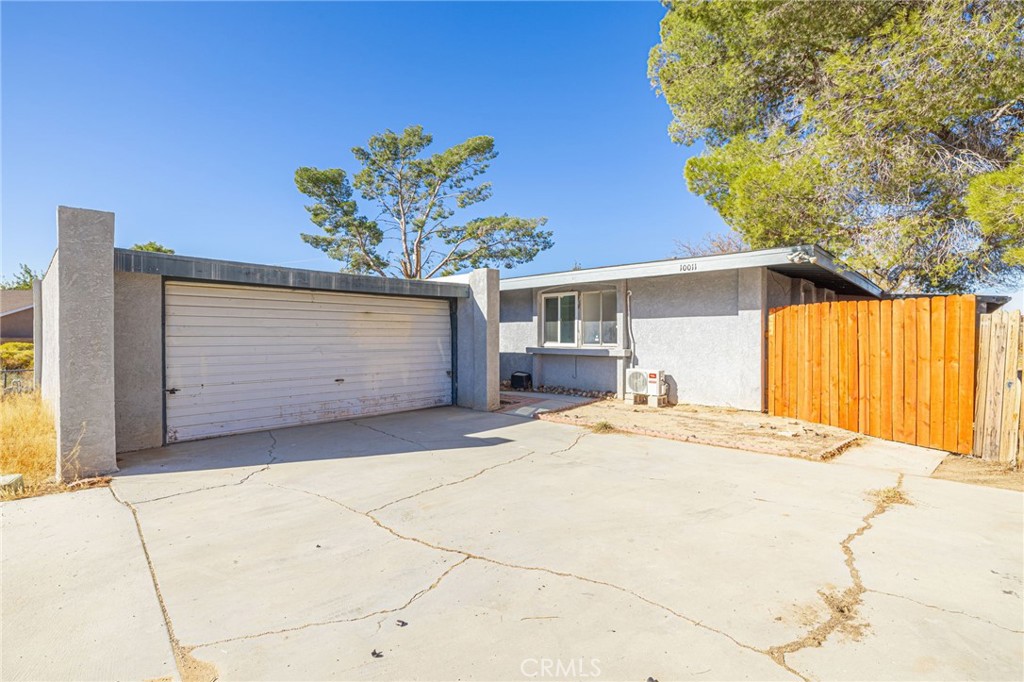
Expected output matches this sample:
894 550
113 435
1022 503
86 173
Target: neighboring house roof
15 300
809 262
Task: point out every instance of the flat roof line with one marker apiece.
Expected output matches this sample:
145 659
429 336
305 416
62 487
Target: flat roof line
211 270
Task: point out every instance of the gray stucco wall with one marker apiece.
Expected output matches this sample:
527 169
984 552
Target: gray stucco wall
138 361
49 336
78 342
705 330
518 331
580 371
477 337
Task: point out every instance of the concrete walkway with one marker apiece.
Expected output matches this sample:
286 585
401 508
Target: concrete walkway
532 403
447 544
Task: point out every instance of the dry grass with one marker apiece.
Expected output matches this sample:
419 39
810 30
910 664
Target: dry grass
888 496
28 446
603 426
967 469
28 442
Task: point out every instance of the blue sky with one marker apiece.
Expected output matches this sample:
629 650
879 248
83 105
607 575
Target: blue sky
188 120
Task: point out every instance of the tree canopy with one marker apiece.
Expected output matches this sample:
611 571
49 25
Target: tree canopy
889 132
22 278
152 246
414 233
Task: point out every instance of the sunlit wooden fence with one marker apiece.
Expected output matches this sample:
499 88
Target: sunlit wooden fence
899 369
999 432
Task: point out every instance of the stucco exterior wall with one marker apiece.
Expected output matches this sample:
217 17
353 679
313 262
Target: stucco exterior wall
476 344
579 371
49 337
138 361
705 330
518 332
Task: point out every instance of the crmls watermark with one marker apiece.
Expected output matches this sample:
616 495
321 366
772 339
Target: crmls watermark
574 668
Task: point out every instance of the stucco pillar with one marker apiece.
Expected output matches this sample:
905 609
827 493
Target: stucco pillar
37 331
477 342
752 310
82 390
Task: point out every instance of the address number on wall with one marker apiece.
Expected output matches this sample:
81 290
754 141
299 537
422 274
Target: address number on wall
687 267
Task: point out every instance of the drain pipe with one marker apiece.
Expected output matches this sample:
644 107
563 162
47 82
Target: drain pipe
629 325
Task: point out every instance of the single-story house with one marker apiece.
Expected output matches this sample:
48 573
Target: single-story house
16 315
703 321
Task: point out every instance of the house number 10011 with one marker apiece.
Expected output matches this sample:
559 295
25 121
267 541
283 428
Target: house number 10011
687 267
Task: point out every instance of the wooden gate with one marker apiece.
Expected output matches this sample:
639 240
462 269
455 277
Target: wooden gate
897 369
999 430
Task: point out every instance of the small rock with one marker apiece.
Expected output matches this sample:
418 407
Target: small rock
401 623
376 654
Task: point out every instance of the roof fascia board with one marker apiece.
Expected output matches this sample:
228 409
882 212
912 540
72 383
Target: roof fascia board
17 310
210 270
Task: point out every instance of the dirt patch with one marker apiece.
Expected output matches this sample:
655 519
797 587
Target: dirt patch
979 472
712 426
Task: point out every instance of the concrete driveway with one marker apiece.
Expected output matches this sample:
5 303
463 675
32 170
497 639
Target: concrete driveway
448 544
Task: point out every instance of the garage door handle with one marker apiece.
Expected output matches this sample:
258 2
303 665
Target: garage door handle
339 381
172 391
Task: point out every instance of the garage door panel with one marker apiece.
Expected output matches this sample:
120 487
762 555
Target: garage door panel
261 410
312 386
257 368
183 376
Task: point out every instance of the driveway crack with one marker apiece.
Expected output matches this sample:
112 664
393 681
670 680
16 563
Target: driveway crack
939 608
563 574
190 669
335 621
843 606
271 459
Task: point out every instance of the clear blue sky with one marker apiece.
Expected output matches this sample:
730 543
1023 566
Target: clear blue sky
188 120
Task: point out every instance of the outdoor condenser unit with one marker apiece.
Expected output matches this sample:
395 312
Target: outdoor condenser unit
644 386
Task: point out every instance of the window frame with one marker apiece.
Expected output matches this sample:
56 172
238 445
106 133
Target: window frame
576 321
600 322
578 341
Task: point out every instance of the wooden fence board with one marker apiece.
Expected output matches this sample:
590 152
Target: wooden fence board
937 375
833 364
885 384
843 343
968 341
863 376
898 429
951 380
853 368
910 373
981 384
874 370
994 389
924 353
814 364
1008 423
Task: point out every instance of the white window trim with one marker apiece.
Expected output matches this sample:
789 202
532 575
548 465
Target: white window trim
578 299
543 319
600 322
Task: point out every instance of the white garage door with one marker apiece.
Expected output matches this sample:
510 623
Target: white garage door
242 358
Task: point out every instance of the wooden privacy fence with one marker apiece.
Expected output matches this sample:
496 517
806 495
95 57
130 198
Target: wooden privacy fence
999 431
897 369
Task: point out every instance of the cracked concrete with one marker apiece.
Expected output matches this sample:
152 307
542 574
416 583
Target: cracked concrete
498 541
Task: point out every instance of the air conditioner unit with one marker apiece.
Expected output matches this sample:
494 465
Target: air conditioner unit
644 386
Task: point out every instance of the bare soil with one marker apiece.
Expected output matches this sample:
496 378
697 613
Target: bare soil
979 472
712 426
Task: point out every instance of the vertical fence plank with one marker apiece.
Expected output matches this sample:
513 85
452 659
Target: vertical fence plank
833 369
927 399
791 360
981 386
814 362
874 370
910 371
826 358
843 366
885 353
951 383
994 389
937 377
965 400
898 430
1008 423
863 375
771 362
